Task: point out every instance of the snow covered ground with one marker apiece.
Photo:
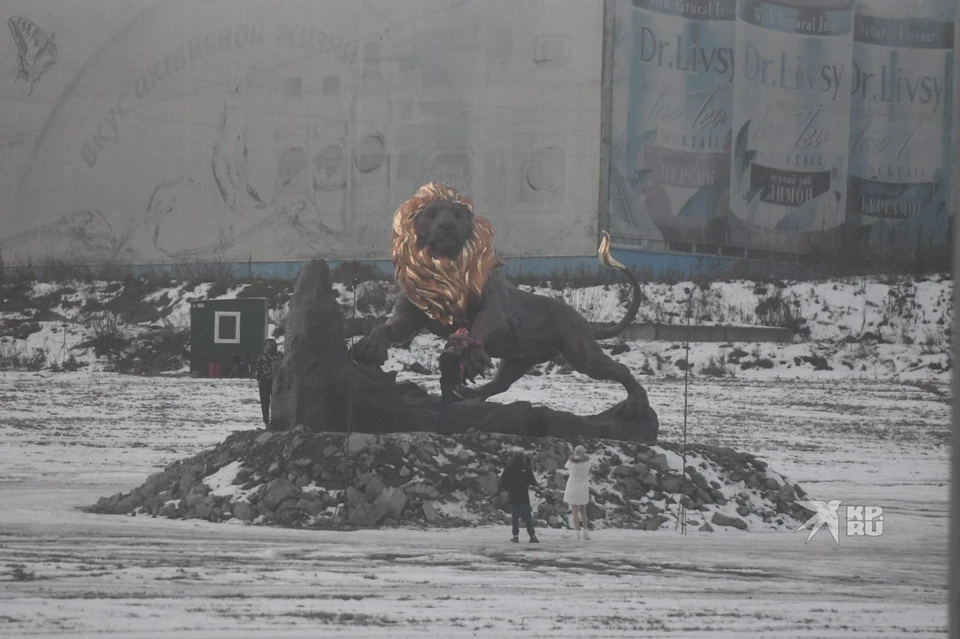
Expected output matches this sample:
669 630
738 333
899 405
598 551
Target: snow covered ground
863 437
876 327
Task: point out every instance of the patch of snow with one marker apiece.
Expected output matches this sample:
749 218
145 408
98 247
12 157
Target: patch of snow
674 460
42 289
178 314
456 510
221 482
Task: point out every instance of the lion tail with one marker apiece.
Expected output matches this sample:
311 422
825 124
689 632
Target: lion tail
606 332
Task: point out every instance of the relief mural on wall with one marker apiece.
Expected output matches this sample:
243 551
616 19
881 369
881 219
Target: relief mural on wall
303 209
36 51
282 132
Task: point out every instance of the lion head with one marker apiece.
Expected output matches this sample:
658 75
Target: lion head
442 253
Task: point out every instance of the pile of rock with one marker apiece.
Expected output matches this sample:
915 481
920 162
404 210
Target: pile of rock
302 479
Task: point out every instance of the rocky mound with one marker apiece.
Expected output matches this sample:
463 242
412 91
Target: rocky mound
298 478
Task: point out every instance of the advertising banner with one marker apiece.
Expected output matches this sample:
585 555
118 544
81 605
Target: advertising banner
783 127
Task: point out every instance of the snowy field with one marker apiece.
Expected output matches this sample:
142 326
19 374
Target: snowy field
865 327
68 439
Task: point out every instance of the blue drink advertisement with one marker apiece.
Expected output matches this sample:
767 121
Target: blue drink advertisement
900 130
680 114
791 120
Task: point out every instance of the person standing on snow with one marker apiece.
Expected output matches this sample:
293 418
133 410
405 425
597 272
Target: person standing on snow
267 365
577 491
516 480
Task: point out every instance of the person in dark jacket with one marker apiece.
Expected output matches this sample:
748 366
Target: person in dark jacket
516 481
267 365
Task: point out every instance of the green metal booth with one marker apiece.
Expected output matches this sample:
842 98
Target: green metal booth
226 336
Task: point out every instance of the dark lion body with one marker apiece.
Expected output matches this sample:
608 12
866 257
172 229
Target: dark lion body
521 329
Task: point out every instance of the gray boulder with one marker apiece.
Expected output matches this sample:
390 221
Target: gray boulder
243 511
658 463
390 503
311 503
354 497
423 489
278 491
670 484
725 520
489 484
595 512
362 515
374 487
358 442
430 512
633 489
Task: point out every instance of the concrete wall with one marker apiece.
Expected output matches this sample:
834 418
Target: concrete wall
272 131
276 130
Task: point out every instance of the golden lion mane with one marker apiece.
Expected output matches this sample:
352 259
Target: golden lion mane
440 287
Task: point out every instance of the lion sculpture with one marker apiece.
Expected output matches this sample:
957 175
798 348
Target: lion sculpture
447 271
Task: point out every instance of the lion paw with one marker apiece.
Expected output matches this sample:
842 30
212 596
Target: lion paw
474 361
372 349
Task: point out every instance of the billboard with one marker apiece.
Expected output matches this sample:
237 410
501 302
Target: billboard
272 130
902 139
672 105
782 126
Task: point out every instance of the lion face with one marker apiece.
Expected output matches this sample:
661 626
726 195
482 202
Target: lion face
442 252
443 228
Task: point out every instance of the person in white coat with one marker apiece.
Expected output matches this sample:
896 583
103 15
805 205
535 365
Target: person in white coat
577 492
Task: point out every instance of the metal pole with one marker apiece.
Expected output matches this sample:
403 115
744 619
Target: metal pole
953 603
686 386
606 113
354 283
682 510
353 318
